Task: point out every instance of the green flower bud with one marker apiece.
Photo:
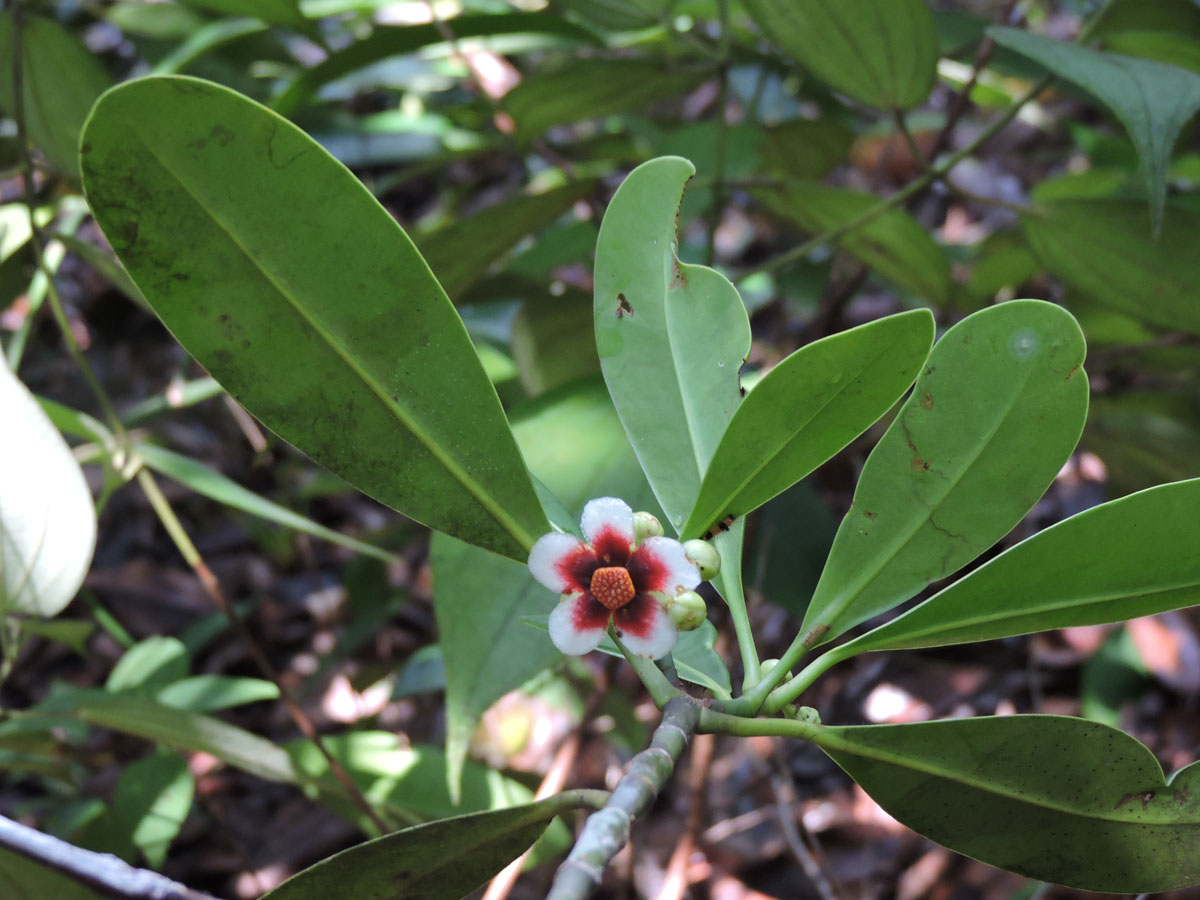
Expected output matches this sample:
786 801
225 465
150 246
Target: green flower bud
767 665
645 525
687 610
705 556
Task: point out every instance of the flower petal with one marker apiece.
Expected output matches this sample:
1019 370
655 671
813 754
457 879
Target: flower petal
659 564
607 525
578 624
562 562
645 627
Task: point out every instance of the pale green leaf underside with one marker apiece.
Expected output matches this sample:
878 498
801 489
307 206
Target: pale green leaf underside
1127 558
993 416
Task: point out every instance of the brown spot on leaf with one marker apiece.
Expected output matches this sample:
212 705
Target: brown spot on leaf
919 465
624 308
1073 371
870 515
927 401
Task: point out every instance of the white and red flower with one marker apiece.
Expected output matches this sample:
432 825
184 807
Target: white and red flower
610 577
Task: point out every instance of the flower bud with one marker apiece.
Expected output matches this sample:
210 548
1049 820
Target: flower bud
687 610
705 556
645 525
767 665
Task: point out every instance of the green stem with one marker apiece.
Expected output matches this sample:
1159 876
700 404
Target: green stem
607 831
729 547
793 688
661 690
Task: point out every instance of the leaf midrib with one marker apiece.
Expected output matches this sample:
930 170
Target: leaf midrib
485 500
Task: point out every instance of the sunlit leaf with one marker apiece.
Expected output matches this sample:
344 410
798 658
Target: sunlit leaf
47 520
299 293
150 802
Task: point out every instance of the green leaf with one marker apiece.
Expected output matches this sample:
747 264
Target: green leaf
151 662
671 336
150 802
992 418
552 342
590 89
1127 558
61 80
892 244
277 12
386 42
205 40
299 293
575 445
47 520
1049 797
883 54
808 408
461 252
1153 100
206 693
190 731
212 484
1101 248
443 860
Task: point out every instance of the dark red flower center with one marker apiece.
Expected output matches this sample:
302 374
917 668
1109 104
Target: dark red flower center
612 586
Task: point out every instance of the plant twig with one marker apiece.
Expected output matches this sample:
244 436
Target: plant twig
213 588
607 831
101 871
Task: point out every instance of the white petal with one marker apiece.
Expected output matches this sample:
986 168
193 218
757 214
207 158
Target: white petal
671 565
546 557
573 630
607 514
657 641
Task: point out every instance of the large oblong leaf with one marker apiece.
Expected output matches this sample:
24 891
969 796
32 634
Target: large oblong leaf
671 337
442 860
882 53
298 292
1120 560
1058 799
1153 100
808 408
1101 247
996 412
47 520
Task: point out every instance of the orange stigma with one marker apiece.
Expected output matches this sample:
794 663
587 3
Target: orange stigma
612 586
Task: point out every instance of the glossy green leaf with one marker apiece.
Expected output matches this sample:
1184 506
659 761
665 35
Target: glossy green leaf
808 408
461 252
386 42
207 693
1153 100
61 80
992 418
671 337
47 520
442 860
1127 558
1058 799
299 293
1102 248
150 802
190 731
591 88
575 445
892 244
883 54
212 484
